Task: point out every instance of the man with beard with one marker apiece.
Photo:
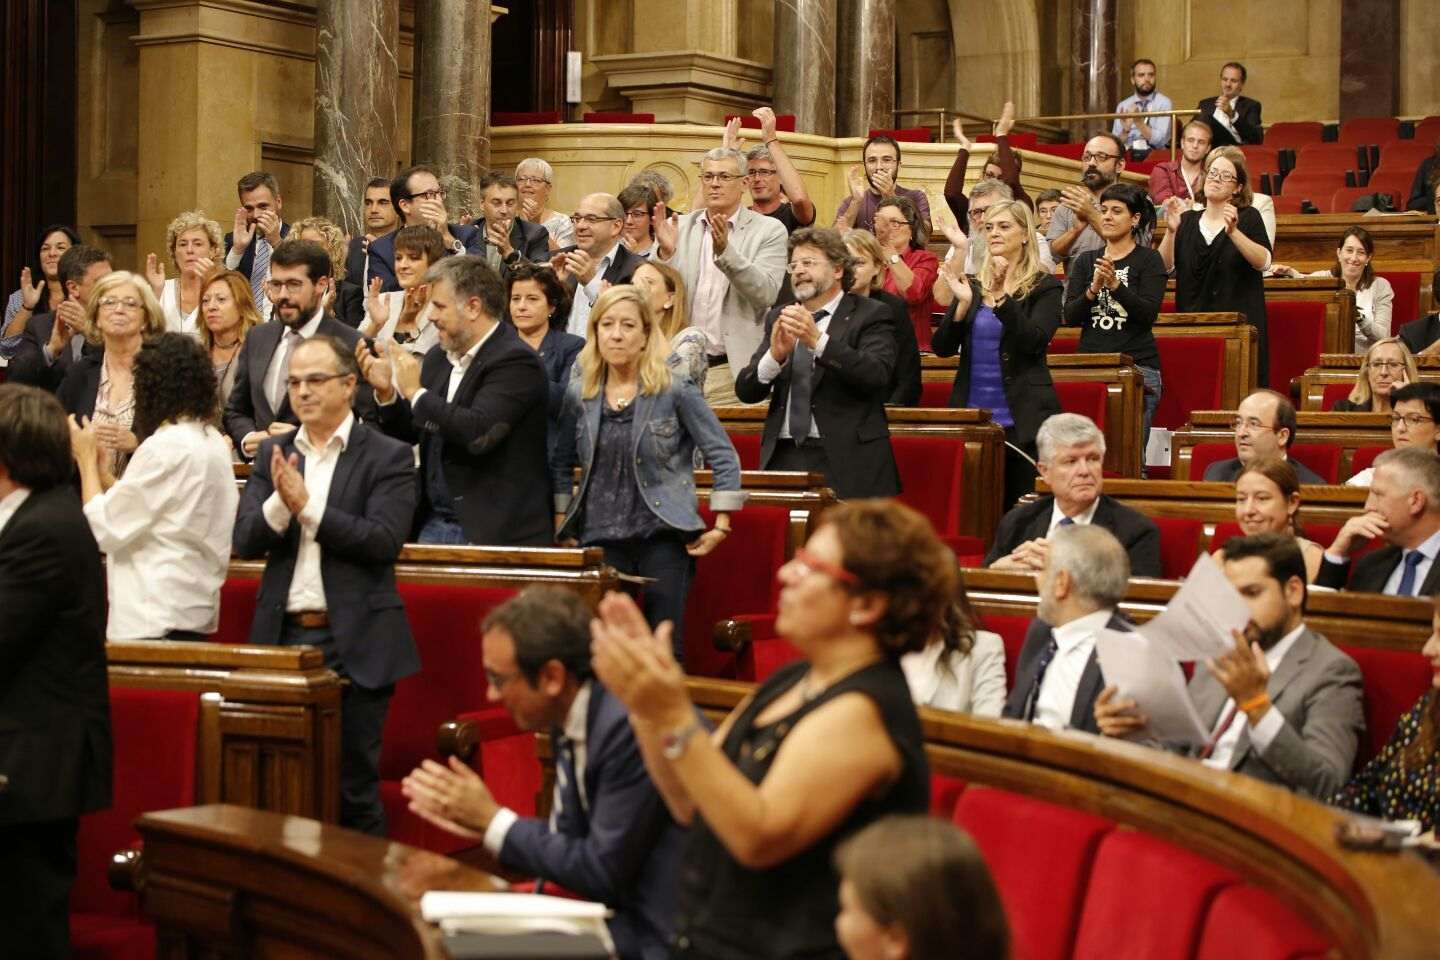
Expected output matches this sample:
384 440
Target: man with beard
259 404
1072 229
1183 178
876 179
1143 134
600 261
1233 119
825 365
1284 705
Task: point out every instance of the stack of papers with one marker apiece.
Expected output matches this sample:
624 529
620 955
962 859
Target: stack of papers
518 925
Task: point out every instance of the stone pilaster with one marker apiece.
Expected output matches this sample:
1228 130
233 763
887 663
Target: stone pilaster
805 63
865 91
451 126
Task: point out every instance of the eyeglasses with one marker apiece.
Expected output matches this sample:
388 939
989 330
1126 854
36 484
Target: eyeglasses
639 213
1098 157
110 303
498 680
803 265
289 286
1409 419
531 181
808 563
892 221
976 214
589 219
314 380
436 194
762 173
1386 364
1216 176
1249 423
720 177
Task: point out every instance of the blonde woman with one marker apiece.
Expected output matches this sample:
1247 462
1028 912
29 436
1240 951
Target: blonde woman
1387 366
665 289
632 426
870 273
227 314
196 244
346 300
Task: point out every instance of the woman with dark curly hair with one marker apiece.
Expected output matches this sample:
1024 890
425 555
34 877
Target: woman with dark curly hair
165 526
768 797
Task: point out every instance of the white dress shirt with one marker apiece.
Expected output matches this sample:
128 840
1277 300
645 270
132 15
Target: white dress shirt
966 683
574 730
459 364
165 528
586 294
10 504
769 368
1082 519
307 588
1263 733
1074 642
708 300
280 360
1428 550
426 334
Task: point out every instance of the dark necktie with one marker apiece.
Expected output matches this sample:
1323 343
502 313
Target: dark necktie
1407 579
1066 522
565 810
802 385
1047 656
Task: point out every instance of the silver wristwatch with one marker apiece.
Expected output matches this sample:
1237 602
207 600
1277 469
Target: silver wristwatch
673 744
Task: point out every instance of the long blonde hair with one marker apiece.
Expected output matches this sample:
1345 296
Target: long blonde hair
865 242
653 372
1361 393
335 242
1028 271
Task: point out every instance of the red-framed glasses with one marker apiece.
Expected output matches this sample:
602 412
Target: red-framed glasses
812 563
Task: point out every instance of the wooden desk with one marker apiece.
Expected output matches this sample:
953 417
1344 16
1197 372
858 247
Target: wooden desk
1349 431
1342 368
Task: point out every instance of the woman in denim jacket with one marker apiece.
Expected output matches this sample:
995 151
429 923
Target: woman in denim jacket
632 424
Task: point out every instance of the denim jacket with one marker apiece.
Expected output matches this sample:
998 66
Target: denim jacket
667 428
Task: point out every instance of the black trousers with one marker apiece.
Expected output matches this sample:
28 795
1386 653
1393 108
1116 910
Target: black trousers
362 724
808 456
38 871
662 558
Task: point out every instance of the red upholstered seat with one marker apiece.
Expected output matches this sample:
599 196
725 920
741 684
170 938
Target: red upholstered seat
1194 376
106 922
1070 151
237 610
1297 338
1365 457
1204 454
1261 159
1020 141
1179 544
1323 458
1065 345
1247 922
1428 130
1288 204
767 651
1406 284
1319 157
1040 855
935 393
904 134
1012 632
514 119
1404 154
1334 393
1146 898
1359 130
1343 200
747 448
932 478
1317 187
1294 134
1393 181
944 794
1085 397
784 122
619 118
1394 680
738 577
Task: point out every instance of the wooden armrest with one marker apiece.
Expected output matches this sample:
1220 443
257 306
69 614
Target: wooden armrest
458 738
125 871
732 635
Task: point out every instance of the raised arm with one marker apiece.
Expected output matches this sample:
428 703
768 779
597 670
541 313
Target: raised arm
790 180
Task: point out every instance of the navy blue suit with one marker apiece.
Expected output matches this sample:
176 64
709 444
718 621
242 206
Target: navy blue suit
247 259
382 254
620 847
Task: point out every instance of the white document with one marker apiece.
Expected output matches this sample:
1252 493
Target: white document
440 905
1196 624
1142 671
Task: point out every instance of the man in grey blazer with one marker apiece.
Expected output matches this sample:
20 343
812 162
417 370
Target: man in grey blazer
1284 706
733 261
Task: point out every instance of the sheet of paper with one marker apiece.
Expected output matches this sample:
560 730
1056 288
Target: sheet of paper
440 905
1144 672
1196 624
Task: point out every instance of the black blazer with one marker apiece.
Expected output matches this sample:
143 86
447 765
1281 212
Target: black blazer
1369 573
904 389
1027 325
1225 471
367 516
248 408
1136 532
27 364
382 253
1247 122
247 259
851 382
1417 335
557 353
78 390
54 691
355 256
1037 637
494 435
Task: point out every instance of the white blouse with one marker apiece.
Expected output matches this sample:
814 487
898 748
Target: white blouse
427 336
175 321
966 683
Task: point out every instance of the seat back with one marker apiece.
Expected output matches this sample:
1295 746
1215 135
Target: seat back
1334 393
1204 454
1428 130
1245 921
1288 205
1361 130
1323 458
1364 457
1343 200
237 609
1316 157
1012 629
1406 306
1194 378
1294 134
1392 181
1394 680
747 448
1087 398
932 478
1297 338
737 577
935 393
1261 159
1404 155
1317 187
1179 545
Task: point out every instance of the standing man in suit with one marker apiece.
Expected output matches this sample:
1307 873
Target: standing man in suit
1233 119
1058 676
506 239
1284 705
600 259
53 341
259 405
258 230
380 219
824 364
732 260
1264 425
1072 455
476 406
328 507
609 837
419 201
54 692
1403 509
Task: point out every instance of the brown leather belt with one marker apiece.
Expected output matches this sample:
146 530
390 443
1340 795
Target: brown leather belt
309 619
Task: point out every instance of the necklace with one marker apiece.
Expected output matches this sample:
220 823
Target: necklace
227 346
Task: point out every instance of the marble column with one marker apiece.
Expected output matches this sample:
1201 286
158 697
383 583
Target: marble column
451 126
805 63
357 73
1094 73
865 86
1369 58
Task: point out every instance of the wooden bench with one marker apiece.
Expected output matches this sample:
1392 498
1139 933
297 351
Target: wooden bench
1339 369
1346 431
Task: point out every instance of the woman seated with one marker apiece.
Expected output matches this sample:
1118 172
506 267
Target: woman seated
121 314
917 888
1267 500
664 288
1387 366
1402 782
346 299
404 315
1414 422
1374 297
227 316
538 307
871 274
164 527
962 668
823 748
196 244
913 269
632 427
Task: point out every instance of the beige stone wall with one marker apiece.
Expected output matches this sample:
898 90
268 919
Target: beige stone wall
1419 58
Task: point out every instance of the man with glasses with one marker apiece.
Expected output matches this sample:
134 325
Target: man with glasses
328 507
1072 229
776 187
732 260
419 201
1403 510
599 259
259 405
1415 410
1182 178
1264 430
1233 119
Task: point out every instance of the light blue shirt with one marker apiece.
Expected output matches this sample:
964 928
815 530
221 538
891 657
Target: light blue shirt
1159 126
1428 550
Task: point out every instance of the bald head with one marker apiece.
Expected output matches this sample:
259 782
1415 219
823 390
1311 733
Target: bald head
599 218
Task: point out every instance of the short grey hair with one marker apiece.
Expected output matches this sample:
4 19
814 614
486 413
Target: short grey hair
546 172
991 187
760 152
728 153
1096 562
1416 469
470 276
1067 430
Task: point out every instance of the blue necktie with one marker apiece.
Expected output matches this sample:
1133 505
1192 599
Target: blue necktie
1407 579
802 383
1046 657
1066 522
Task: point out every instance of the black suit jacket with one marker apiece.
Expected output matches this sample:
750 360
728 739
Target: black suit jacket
54 691
1037 638
1247 122
851 383
28 365
1369 573
1136 532
247 259
81 384
494 434
623 265
1225 471
367 515
248 408
1417 334
382 254
905 386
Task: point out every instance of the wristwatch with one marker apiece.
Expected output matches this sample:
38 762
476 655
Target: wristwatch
894 258
673 744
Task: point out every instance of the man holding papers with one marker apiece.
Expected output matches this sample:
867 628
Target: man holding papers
1057 677
1283 704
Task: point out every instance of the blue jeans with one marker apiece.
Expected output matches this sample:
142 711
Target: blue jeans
664 559
1153 385
442 531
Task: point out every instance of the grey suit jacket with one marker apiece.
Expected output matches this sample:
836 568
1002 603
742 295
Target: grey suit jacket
1320 693
754 261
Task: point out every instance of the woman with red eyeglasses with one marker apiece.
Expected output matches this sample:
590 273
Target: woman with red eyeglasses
768 796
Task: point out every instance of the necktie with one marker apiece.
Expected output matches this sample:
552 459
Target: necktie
278 388
802 383
1047 656
1220 731
566 804
260 270
1066 522
1407 579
